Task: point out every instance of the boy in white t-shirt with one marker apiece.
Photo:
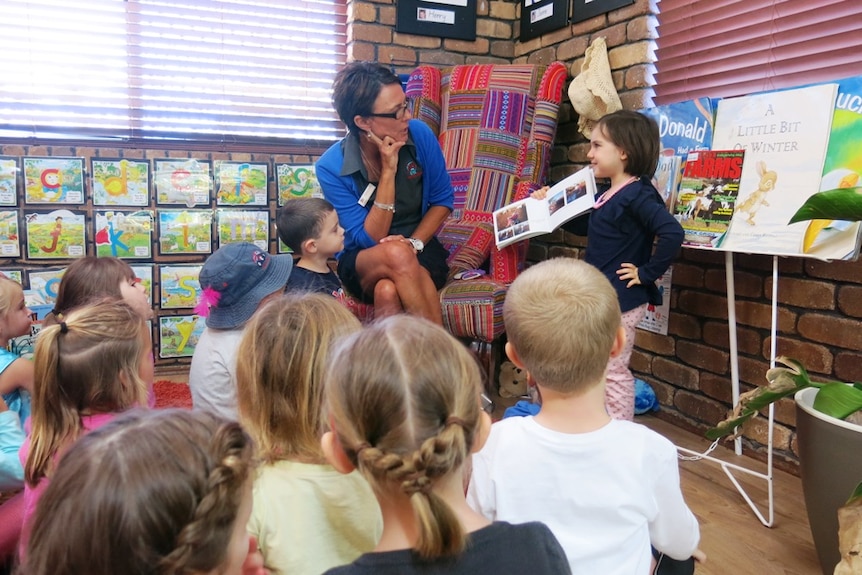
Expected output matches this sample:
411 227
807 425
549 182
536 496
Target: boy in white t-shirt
606 488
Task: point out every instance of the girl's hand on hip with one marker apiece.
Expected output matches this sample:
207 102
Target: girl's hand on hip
629 272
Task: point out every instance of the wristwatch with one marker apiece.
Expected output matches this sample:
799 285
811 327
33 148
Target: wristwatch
418 244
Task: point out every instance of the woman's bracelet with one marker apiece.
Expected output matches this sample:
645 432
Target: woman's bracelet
385 207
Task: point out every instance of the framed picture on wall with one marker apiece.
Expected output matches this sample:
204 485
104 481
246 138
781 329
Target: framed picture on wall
542 16
45 283
56 235
10 234
179 334
120 182
243 226
144 273
53 180
240 183
124 234
185 232
586 9
9 171
440 18
182 182
179 286
295 181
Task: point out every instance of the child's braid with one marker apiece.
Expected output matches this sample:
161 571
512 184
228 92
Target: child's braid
223 484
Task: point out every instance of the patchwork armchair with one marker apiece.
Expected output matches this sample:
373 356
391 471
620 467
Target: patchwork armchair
496 125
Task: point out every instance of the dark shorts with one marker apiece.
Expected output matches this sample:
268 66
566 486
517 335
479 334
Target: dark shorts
432 258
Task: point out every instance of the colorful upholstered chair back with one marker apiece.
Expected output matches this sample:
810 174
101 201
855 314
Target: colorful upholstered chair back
496 125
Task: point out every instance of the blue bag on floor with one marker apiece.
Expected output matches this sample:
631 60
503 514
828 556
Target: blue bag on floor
645 399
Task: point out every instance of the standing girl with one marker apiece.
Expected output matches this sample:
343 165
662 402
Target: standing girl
151 492
89 367
307 517
403 402
16 384
626 221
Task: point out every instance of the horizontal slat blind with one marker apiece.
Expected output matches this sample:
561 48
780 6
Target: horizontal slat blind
212 70
734 47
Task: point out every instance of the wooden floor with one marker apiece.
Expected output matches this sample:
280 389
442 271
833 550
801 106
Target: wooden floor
731 535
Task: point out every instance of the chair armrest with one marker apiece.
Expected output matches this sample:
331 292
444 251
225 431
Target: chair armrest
469 244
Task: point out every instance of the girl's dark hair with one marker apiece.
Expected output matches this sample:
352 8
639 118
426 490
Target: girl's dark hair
150 492
88 279
637 135
356 87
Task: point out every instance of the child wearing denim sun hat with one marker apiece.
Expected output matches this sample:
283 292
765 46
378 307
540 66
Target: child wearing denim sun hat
235 281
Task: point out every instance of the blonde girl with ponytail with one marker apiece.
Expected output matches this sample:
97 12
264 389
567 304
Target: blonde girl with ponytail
402 400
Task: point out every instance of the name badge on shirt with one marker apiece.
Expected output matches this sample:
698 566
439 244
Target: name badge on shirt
366 195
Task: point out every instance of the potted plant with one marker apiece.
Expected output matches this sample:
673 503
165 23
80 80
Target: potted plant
829 444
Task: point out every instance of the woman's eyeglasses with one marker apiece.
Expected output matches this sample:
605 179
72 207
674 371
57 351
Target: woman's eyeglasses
399 113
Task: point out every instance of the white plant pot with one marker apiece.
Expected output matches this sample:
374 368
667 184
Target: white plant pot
831 466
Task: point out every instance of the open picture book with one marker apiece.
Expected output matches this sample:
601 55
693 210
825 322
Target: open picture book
531 217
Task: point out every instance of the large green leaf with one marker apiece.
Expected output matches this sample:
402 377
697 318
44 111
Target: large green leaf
838 204
838 400
857 494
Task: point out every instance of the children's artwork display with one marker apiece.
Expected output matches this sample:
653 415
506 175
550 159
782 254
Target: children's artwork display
120 182
658 316
185 231
59 234
53 180
144 273
14 275
684 126
179 334
296 181
124 234
179 286
10 244
243 226
784 135
282 247
182 182
44 285
9 171
707 195
240 183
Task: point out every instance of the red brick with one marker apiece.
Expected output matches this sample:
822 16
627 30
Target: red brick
842 271
757 429
700 408
386 15
716 334
848 366
815 358
809 294
664 392
831 330
702 356
654 342
717 387
752 371
361 12
684 325
640 362
503 49
760 315
572 48
477 46
703 256
675 373
753 262
850 300
133 153
641 28
745 284
502 10
686 275
702 304
638 76
374 33
361 51
10 150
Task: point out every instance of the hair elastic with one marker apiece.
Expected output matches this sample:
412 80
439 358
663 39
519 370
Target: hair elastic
454 420
361 447
63 327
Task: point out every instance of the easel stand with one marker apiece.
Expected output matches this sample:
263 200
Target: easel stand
728 468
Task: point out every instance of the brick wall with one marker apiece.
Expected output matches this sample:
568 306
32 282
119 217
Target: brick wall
819 304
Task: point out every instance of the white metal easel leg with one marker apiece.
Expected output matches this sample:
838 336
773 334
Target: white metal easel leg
734 375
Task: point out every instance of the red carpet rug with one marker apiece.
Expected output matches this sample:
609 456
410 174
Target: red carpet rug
172 394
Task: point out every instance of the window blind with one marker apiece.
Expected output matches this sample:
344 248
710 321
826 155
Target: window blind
205 70
735 47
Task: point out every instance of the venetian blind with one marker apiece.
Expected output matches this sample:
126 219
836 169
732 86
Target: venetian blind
202 70
735 47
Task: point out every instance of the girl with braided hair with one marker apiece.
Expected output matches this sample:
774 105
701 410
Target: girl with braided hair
403 405
151 493
95 363
307 517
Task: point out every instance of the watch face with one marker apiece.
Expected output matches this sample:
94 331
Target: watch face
418 245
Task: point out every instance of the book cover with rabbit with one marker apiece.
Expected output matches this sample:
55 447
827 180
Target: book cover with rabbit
785 136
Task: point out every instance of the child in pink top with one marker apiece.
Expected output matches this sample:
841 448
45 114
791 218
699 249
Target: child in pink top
93 364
